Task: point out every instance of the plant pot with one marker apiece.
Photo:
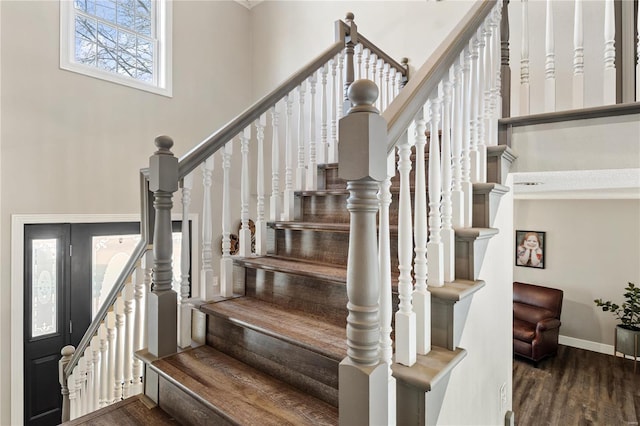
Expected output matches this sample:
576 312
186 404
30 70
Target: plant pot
626 338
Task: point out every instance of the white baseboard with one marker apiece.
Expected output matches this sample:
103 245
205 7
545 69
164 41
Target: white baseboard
588 345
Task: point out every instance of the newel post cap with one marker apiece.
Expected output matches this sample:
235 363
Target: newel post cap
363 136
163 166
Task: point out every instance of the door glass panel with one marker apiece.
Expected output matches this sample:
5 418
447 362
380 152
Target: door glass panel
44 287
109 255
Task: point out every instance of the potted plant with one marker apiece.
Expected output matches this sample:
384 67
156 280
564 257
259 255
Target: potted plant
628 331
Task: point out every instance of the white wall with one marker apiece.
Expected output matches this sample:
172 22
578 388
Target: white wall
592 251
473 393
74 144
288 34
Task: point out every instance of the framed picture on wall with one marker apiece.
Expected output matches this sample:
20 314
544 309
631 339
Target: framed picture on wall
530 249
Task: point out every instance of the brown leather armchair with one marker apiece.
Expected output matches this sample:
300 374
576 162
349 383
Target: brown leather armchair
536 320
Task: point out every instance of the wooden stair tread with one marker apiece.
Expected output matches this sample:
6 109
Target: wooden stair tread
135 410
240 393
295 327
296 267
475 233
456 290
429 369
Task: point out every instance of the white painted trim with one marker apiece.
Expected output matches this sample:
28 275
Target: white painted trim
163 51
628 194
586 344
589 345
18 222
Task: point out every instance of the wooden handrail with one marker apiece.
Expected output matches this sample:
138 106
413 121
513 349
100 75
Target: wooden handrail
210 145
412 98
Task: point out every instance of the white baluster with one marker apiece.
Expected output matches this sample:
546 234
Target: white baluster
524 61
244 246
261 223
609 53
340 84
448 235
81 389
73 394
550 63
324 142
374 66
359 49
138 324
274 205
289 206
184 335
206 274
95 368
457 133
226 263
385 301
386 87
367 61
474 111
480 174
119 347
421 297
434 246
312 170
300 169
394 77
380 83
127 371
405 317
111 344
88 356
467 135
494 78
335 101
578 56
147 267
104 364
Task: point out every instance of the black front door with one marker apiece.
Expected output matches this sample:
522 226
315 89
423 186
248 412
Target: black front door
68 271
46 320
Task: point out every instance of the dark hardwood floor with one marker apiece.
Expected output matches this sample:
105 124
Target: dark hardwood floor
576 387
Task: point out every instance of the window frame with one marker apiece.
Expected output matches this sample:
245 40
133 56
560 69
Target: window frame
161 21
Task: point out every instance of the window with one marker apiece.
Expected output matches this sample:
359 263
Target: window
123 41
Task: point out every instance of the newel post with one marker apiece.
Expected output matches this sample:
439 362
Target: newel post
67 353
162 305
350 43
363 164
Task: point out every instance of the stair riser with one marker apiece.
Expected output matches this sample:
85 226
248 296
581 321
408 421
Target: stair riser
320 246
315 296
186 409
332 181
333 208
311 372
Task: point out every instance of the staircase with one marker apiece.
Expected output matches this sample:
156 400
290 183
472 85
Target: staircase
283 326
272 354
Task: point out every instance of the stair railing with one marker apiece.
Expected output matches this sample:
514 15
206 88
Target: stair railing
142 310
102 369
607 61
455 95
299 117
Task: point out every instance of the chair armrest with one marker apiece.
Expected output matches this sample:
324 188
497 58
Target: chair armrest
547 324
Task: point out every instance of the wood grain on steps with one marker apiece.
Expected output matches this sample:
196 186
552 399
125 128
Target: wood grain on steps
240 394
136 410
297 328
